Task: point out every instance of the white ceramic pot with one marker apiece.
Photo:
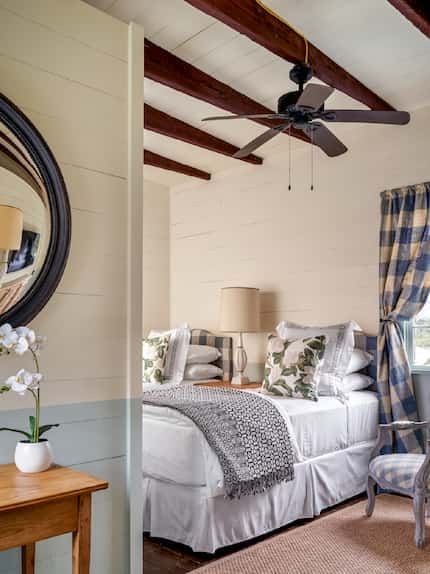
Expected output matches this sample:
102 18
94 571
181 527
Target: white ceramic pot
33 456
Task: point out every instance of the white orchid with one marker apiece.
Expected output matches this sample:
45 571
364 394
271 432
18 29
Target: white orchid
38 345
8 337
27 334
21 340
17 340
24 381
21 346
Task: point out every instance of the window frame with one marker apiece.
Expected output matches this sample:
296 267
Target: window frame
408 337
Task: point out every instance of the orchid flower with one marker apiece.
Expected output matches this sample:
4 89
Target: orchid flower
27 333
8 337
21 340
24 381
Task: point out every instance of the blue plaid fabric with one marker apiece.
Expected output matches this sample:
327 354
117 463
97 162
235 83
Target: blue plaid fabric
404 285
396 470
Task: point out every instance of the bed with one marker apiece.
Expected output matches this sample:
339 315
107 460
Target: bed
183 483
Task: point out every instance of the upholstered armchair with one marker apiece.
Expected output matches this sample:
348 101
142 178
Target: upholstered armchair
406 474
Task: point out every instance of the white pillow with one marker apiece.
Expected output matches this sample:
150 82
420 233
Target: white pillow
339 347
355 382
202 354
359 360
179 341
202 372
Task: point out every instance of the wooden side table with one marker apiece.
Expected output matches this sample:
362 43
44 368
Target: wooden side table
228 385
38 506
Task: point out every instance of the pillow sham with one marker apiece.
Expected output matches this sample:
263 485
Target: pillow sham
292 366
355 382
179 341
202 354
360 359
337 355
202 372
154 355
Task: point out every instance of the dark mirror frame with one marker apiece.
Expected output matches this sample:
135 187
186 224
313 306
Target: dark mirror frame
33 301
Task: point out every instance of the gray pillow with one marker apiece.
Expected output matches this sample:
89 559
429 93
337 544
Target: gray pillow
338 352
202 354
202 372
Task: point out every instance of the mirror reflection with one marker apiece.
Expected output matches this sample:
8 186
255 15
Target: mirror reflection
24 221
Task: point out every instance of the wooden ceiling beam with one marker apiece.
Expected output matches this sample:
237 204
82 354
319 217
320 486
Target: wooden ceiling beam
252 20
156 160
165 68
416 11
166 125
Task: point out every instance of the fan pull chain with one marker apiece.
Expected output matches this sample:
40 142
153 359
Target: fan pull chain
289 157
312 160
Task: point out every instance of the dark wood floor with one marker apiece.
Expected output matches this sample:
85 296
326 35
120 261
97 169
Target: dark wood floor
164 557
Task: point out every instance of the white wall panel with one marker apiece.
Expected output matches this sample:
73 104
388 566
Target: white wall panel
314 254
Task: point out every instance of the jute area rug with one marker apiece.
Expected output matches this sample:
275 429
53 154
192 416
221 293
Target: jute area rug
342 542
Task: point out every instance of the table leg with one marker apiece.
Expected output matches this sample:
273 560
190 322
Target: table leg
28 557
82 537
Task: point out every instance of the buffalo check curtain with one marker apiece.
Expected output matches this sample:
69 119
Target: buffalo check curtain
404 285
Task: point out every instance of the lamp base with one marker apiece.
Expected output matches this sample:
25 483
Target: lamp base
239 380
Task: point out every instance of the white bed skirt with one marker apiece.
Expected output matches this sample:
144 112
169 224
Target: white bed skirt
188 515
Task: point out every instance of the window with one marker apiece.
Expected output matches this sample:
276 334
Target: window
417 339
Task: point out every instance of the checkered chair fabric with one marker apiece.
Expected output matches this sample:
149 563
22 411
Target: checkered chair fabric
397 471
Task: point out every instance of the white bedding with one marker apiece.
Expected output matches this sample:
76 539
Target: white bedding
175 450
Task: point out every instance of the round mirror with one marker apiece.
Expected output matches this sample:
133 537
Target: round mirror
34 218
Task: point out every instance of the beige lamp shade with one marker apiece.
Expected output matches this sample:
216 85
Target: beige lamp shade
11 224
240 309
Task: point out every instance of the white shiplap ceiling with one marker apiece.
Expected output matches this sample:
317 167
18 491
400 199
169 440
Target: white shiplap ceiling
369 38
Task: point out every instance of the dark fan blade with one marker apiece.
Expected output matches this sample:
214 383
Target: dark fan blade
324 138
260 140
314 95
366 116
244 117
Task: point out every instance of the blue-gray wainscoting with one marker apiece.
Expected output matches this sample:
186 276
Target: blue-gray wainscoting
91 438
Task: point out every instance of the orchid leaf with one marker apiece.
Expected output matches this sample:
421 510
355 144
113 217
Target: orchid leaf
16 430
4 389
32 421
45 428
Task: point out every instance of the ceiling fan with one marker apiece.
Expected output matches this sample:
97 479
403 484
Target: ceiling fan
303 108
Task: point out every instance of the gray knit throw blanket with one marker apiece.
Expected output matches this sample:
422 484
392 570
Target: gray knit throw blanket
247 433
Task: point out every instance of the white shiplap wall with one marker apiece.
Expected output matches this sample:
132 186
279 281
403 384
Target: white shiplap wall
66 65
73 86
156 274
314 255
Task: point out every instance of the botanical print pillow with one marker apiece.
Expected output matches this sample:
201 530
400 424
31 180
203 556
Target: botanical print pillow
292 366
154 354
338 351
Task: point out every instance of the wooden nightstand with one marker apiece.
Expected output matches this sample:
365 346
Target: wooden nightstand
228 385
38 506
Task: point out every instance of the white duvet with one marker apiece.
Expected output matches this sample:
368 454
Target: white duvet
175 450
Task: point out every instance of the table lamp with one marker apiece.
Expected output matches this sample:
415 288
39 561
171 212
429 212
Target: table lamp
11 224
240 313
